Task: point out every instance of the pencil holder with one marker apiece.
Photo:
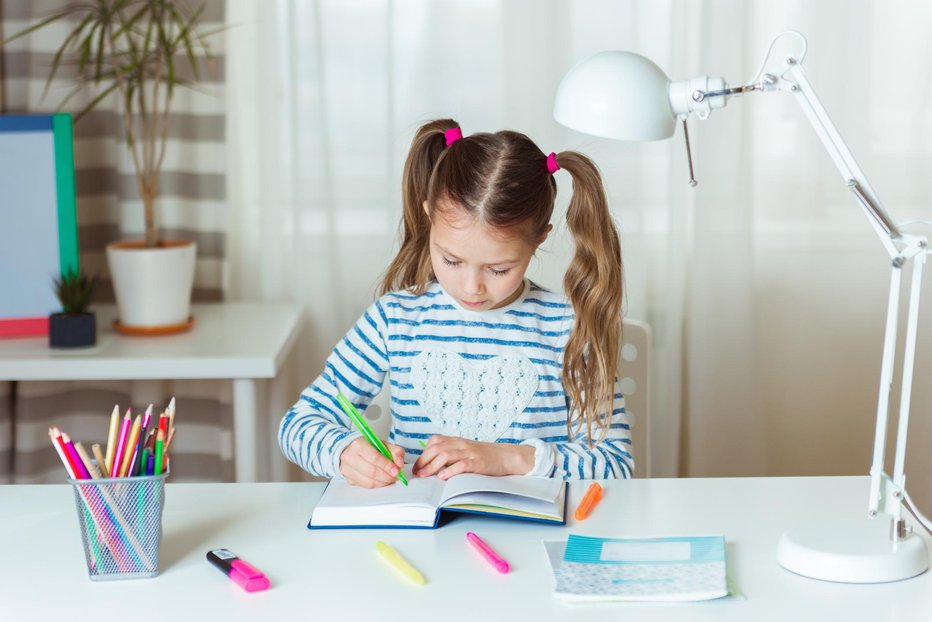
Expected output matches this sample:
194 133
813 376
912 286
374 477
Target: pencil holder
121 525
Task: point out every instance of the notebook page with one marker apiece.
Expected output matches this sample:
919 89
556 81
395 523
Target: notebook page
540 488
343 503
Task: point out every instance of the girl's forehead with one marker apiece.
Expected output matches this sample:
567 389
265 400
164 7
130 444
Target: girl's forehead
470 238
451 214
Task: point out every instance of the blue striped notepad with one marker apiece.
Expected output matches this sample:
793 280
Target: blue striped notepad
642 569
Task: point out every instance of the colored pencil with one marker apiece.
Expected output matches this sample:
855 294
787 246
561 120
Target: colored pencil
137 467
168 441
55 437
159 450
86 459
95 449
104 525
171 413
121 445
112 438
163 425
79 469
131 441
150 442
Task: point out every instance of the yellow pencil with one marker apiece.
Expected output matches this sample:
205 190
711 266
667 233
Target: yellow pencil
130 446
95 474
399 563
95 449
112 437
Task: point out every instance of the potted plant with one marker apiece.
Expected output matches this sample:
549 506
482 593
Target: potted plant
75 326
132 49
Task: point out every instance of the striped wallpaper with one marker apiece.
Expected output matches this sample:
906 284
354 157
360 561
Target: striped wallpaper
192 187
191 204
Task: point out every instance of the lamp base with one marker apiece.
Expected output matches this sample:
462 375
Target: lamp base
852 551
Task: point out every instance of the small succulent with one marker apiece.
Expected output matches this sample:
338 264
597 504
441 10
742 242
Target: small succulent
74 291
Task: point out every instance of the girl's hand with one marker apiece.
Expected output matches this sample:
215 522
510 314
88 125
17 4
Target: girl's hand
363 465
447 456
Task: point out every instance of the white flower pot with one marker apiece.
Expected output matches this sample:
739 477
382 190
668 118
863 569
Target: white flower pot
152 285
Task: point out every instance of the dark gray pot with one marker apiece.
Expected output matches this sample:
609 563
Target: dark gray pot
72 330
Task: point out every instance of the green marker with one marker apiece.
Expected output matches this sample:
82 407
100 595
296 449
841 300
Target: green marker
351 412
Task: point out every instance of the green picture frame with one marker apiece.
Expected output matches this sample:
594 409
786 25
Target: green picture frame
38 218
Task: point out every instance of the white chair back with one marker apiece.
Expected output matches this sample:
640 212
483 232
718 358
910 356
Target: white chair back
634 364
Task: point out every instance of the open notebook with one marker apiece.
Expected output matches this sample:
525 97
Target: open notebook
419 504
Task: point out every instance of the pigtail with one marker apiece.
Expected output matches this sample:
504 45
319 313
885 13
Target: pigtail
411 269
594 285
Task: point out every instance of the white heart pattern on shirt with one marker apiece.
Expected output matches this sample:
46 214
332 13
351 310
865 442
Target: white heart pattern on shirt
474 399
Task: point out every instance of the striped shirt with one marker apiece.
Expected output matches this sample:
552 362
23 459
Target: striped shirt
491 376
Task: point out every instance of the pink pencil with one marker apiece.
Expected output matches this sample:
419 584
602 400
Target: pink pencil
121 445
81 471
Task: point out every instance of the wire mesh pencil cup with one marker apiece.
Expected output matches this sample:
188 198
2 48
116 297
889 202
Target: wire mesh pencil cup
121 525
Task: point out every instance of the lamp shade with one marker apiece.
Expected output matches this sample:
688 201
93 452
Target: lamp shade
618 95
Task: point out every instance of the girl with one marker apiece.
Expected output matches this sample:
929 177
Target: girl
496 374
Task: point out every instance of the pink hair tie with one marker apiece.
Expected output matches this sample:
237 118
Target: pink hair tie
452 135
552 165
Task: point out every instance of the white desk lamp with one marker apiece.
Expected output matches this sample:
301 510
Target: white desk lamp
625 96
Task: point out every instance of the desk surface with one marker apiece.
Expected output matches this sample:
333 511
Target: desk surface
320 575
229 340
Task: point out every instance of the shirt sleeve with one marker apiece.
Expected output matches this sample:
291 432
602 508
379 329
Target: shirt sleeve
610 458
314 432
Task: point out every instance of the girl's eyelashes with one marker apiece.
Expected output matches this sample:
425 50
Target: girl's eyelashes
495 272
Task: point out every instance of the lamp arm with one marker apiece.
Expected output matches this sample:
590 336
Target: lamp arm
805 96
901 247
886 494
703 94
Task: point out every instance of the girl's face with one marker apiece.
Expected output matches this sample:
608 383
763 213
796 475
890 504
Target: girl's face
480 267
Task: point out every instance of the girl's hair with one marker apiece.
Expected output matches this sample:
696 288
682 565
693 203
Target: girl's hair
503 180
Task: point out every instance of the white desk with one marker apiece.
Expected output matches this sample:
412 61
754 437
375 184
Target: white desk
244 342
336 575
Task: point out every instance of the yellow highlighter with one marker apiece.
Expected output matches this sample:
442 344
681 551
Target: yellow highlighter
399 563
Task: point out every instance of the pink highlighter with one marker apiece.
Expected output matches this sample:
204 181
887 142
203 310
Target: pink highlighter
491 556
243 574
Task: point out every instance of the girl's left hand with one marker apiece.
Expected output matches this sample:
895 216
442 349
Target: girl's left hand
447 456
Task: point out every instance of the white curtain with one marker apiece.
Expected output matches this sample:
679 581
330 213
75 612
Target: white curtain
764 285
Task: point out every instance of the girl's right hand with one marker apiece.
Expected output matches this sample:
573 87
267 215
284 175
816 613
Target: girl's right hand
363 465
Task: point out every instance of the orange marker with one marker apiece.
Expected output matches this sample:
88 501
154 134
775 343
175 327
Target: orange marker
592 496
